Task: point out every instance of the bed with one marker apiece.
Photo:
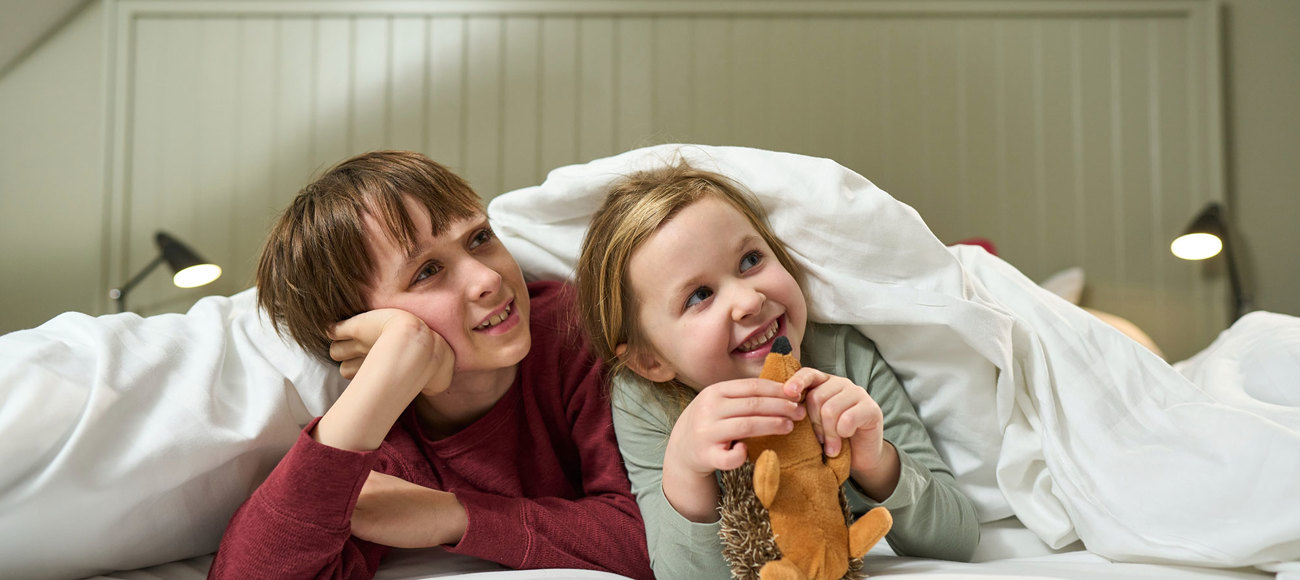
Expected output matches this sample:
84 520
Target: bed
129 440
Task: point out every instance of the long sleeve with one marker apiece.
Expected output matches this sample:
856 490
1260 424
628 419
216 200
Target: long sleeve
540 476
600 530
297 524
932 518
679 548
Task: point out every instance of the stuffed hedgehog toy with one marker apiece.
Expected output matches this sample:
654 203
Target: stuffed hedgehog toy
784 514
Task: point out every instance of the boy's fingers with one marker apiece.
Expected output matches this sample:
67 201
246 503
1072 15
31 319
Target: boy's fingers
341 350
349 368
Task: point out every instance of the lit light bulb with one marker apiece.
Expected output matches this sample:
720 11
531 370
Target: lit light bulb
1198 246
195 276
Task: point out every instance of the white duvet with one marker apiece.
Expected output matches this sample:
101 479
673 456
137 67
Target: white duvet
1043 411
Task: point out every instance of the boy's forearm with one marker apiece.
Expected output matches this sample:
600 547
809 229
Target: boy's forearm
602 532
402 514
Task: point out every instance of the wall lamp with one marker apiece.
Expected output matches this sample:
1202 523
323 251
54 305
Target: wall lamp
1206 237
189 270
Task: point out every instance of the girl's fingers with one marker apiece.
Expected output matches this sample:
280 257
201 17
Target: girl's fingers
760 407
833 409
735 429
743 388
727 459
804 379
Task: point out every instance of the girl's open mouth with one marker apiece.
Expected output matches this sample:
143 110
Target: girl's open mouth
761 341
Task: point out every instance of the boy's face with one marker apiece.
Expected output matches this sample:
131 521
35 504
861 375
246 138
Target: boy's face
713 298
463 284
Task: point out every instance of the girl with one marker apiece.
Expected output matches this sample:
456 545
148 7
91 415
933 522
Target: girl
683 288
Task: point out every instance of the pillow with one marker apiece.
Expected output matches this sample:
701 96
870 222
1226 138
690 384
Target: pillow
1067 284
130 441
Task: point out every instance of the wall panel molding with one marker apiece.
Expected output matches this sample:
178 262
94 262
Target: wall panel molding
1072 133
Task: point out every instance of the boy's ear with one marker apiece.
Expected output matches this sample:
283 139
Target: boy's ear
646 364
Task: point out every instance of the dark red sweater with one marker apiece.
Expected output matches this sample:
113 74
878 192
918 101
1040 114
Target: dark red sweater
540 477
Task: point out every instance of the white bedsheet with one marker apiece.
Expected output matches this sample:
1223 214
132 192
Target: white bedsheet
1031 560
1042 410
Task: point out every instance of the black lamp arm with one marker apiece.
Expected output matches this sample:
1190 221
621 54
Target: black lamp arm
1241 303
119 294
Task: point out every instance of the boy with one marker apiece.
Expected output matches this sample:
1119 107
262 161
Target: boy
475 418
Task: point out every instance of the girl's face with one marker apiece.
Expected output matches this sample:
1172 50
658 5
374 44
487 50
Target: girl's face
463 284
713 298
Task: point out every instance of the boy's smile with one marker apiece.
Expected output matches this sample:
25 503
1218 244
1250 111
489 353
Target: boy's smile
712 298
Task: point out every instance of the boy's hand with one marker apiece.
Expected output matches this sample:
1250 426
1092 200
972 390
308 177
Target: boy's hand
707 437
838 410
355 338
395 512
392 356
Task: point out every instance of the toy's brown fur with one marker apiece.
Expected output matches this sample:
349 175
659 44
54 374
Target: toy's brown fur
801 490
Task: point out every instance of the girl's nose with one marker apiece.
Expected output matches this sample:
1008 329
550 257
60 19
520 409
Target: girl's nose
747 302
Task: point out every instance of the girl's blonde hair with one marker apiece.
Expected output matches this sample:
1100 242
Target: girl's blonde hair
635 208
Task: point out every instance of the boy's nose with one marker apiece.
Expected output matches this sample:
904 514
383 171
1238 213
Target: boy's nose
483 281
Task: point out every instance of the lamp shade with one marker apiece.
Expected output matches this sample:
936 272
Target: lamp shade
190 269
1204 237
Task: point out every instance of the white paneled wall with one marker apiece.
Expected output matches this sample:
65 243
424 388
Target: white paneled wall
1069 133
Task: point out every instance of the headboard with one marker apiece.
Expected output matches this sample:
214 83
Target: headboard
1071 133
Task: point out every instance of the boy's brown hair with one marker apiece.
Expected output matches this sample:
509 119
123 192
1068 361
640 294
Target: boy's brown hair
315 268
632 212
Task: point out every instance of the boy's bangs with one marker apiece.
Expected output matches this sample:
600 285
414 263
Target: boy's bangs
393 214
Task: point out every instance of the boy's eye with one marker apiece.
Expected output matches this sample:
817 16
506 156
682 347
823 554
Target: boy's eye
481 237
699 295
750 260
427 271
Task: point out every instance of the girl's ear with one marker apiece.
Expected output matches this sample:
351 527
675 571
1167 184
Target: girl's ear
646 364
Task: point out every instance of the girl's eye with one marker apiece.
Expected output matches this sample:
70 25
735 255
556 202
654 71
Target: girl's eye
750 260
427 271
699 295
481 237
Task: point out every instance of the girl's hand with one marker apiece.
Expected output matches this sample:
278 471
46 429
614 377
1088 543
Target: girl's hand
707 437
391 356
838 410
395 512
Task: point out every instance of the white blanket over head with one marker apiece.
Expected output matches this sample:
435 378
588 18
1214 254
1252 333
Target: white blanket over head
1042 411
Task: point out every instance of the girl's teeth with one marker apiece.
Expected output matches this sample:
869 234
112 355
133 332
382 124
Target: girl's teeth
756 342
495 320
